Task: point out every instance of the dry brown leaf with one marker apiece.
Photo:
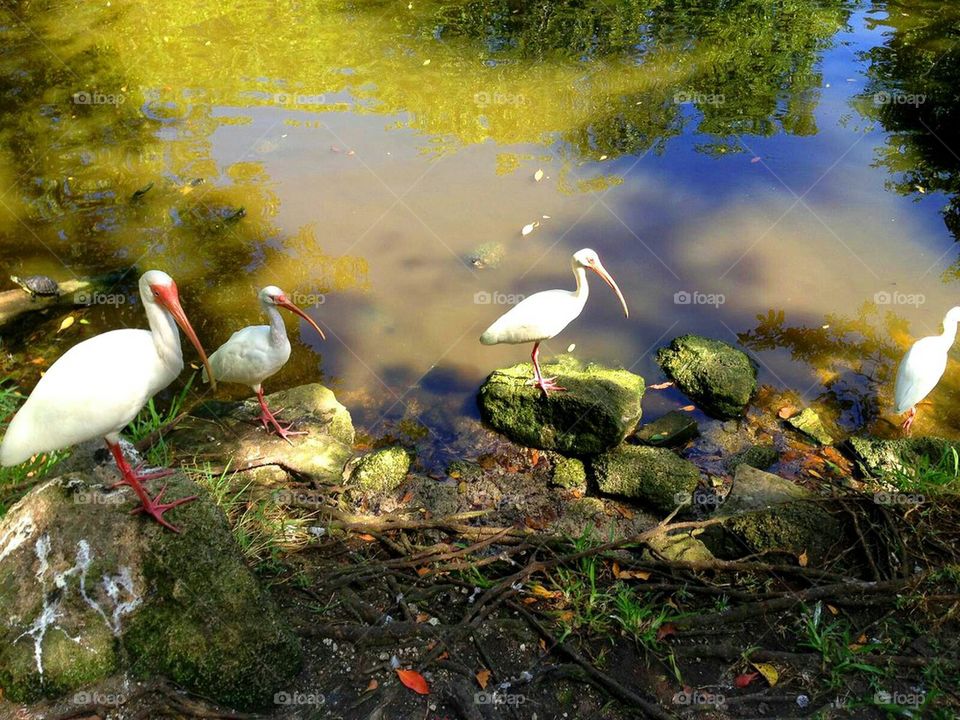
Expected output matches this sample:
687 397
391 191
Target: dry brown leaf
373 684
483 677
366 538
803 559
422 617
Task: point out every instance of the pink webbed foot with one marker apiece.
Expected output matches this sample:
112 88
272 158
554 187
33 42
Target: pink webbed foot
155 509
270 423
908 423
546 384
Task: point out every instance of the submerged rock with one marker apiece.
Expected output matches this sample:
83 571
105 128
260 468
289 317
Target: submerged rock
228 432
488 255
381 470
719 378
673 429
599 408
654 476
757 456
87 589
755 489
810 424
877 457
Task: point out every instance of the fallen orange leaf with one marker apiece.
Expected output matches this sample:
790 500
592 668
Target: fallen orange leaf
366 538
373 685
666 630
660 386
422 617
803 559
689 408
414 680
741 681
483 677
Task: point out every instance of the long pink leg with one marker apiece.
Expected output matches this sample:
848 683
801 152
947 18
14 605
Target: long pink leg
268 417
908 423
545 384
151 506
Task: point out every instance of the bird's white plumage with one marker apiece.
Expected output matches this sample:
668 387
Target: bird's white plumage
249 357
539 317
919 372
924 365
99 385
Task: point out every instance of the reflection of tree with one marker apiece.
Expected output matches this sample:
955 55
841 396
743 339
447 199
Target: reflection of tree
854 358
913 93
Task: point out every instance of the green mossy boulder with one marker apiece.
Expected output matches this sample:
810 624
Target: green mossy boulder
672 430
655 476
757 456
599 408
719 378
877 457
381 470
220 432
796 527
569 473
87 590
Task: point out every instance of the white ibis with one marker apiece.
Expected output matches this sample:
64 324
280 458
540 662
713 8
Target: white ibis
543 315
922 367
253 354
98 386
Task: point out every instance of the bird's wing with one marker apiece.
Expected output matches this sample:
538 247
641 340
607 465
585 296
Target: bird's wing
538 317
248 357
919 372
92 390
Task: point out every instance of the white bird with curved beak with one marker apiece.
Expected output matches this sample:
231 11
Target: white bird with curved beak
922 367
544 315
99 385
257 352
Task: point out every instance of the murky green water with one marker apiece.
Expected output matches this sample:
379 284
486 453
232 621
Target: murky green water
797 158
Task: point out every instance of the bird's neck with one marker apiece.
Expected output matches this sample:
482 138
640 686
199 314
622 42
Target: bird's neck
166 336
583 290
278 331
949 330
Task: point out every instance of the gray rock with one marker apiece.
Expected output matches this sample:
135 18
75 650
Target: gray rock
88 589
757 456
755 489
672 430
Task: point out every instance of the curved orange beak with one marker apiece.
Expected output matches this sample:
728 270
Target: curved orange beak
598 268
284 303
169 297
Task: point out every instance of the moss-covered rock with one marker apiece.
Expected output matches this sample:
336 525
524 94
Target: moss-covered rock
810 424
877 457
569 473
87 589
719 378
755 489
756 456
655 476
599 408
680 546
382 470
221 432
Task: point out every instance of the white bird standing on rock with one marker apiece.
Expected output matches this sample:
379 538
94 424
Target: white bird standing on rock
257 352
99 385
922 367
545 314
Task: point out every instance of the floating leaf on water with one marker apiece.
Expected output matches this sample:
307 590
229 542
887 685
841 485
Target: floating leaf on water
755 159
426 62
414 680
528 228
545 217
769 672
66 322
603 157
689 408
538 175
571 347
661 386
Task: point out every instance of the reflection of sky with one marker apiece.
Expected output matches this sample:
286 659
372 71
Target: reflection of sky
799 224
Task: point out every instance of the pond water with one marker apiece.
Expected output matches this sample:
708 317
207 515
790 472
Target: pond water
782 175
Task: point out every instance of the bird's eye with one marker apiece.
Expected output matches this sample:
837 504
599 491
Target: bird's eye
156 293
